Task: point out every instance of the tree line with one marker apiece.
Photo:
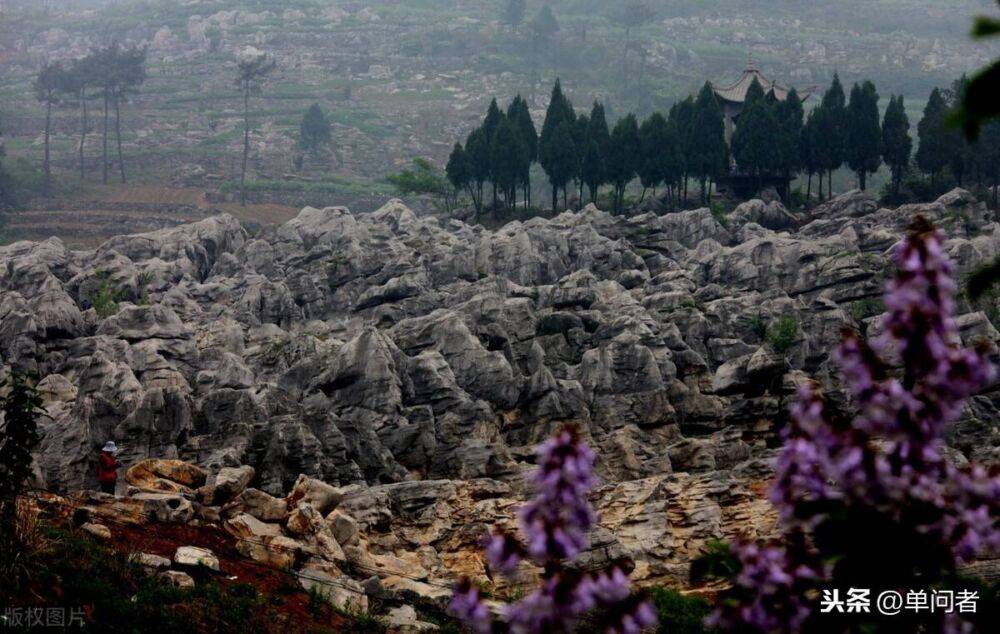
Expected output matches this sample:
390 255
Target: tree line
110 76
581 153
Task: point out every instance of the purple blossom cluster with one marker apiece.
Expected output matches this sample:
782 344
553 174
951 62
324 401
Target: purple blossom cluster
556 523
888 460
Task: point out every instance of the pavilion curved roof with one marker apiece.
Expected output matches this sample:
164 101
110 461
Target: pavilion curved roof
737 92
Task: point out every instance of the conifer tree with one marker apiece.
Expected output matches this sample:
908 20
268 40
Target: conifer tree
755 140
864 132
494 117
250 73
681 119
623 157
477 148
47 88
655 153
581 140
599 139
933 153
552 154
459 172
810 154
791 118
707 150
519 114
833 125
21 407
897 146
507 157
314 131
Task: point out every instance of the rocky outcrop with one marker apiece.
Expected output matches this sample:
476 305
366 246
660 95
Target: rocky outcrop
375 384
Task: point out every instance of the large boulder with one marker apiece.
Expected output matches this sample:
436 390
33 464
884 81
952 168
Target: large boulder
157 475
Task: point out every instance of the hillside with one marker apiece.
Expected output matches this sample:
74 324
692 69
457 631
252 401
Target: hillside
402 80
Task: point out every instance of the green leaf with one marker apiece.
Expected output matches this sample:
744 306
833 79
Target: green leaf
985 27
981 99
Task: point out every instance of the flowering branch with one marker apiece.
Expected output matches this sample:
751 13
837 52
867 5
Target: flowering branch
556 524
874 500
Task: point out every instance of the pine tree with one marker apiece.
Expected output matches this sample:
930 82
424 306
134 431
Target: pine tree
791 117
314 131
755 140
864 132
477 148
581 140
833 127
654 141
250 73
544 27
810 155
519 113
506 160
48 86
494 117
21 408
933 153
707 151
897 146
129 72
681 119
564 162
594 168
551 154
514 14
623 157
459 172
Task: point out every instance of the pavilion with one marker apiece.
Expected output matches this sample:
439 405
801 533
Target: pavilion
732 97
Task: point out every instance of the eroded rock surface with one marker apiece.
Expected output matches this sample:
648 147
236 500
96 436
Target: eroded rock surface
391 374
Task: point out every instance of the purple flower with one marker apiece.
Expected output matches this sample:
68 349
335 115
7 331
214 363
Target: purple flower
556 523
889 459
468 606
503 552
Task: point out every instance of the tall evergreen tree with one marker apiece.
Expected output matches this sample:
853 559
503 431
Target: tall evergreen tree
513 15
599 139
494 117
810 150
250 74
519 113
833 124
681 119
48 86
564 162
791 119
77 81
756 140
508 154
459 172
631 16
128 74
477 147
654 152
551 155
314 130
623 157
581 141
21 407
933 153
864 132
897 146
707 152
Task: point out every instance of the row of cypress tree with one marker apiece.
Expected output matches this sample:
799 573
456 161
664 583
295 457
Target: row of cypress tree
772 137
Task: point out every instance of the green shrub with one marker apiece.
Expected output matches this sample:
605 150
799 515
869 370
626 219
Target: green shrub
720 212
782 335
758 325
679 614
104 298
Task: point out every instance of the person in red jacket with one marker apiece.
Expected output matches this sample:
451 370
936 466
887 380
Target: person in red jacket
107 467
